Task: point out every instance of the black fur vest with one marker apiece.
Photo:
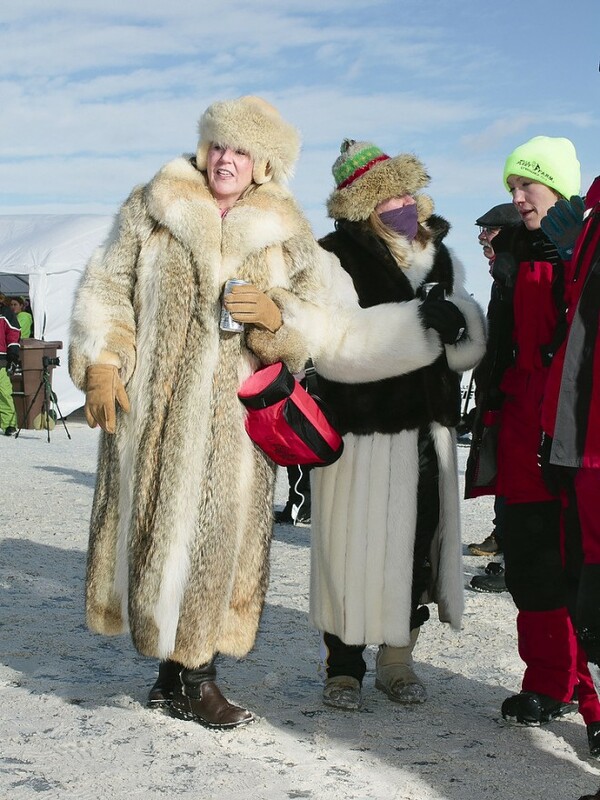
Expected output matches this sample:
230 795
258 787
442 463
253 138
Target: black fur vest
410 400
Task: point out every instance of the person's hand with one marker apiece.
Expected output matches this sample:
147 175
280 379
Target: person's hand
554 476
12 359
247 304
563 223
444 317
102 391
505 269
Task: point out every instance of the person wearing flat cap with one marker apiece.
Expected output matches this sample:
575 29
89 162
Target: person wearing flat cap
498 223
491 224
540 542
385 524
182 515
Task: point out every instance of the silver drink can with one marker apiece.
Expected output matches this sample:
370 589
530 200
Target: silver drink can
227 322
425 288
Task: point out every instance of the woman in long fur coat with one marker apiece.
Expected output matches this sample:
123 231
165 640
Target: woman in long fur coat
385 526
182 515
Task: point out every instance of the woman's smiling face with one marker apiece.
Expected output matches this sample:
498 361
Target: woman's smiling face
229 173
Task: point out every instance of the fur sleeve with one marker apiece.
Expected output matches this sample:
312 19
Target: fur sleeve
470 348
348 343
103 321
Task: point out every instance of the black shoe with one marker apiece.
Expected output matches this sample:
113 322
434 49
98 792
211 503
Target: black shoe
531 708
488 583
161 694
208 707
284 517
494 568
9 431
593 737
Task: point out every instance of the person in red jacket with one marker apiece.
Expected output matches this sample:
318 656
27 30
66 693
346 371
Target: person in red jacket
10 333
530 328
571 411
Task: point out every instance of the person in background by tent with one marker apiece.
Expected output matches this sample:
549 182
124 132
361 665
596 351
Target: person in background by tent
24 318
10 333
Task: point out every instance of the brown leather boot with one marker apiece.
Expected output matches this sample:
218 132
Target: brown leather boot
198 698
209 708
161 693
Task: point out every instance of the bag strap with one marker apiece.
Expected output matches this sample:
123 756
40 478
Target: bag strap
310 375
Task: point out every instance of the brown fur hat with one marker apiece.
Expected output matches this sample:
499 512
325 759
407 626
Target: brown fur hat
256 127
365 176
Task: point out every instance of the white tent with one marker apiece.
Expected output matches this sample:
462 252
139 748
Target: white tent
51 251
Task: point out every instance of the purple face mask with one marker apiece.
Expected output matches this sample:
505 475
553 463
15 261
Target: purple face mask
402 220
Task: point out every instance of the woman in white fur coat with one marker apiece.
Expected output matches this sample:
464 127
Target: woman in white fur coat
386 533
182 515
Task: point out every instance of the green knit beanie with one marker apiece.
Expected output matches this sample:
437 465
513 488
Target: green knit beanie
548 160
364 176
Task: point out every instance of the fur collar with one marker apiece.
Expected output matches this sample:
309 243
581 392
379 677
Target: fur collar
178 198
417 257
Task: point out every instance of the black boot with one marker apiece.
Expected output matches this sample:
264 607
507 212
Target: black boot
161 693
533 708
198 698
593 737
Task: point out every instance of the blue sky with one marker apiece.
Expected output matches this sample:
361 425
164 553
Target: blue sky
96 96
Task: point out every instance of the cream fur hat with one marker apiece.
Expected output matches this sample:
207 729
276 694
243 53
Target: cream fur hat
365 176
256 127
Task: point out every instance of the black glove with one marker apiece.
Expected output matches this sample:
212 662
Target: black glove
504 270
587 615
563 224
444 317
12 360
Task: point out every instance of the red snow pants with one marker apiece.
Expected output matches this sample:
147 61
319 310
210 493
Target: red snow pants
542 584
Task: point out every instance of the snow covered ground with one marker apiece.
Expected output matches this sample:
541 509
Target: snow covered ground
74 723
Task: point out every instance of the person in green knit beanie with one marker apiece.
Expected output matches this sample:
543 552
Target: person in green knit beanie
540 540
550 161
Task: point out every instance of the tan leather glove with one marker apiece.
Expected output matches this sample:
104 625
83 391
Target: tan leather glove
247 304
102 391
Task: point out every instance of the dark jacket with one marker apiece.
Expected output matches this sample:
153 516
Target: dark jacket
525 328
571 412
410 400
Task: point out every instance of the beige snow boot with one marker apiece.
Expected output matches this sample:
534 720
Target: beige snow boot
395 674
342 691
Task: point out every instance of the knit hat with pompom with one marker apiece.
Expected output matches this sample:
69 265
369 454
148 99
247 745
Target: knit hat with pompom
365 176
